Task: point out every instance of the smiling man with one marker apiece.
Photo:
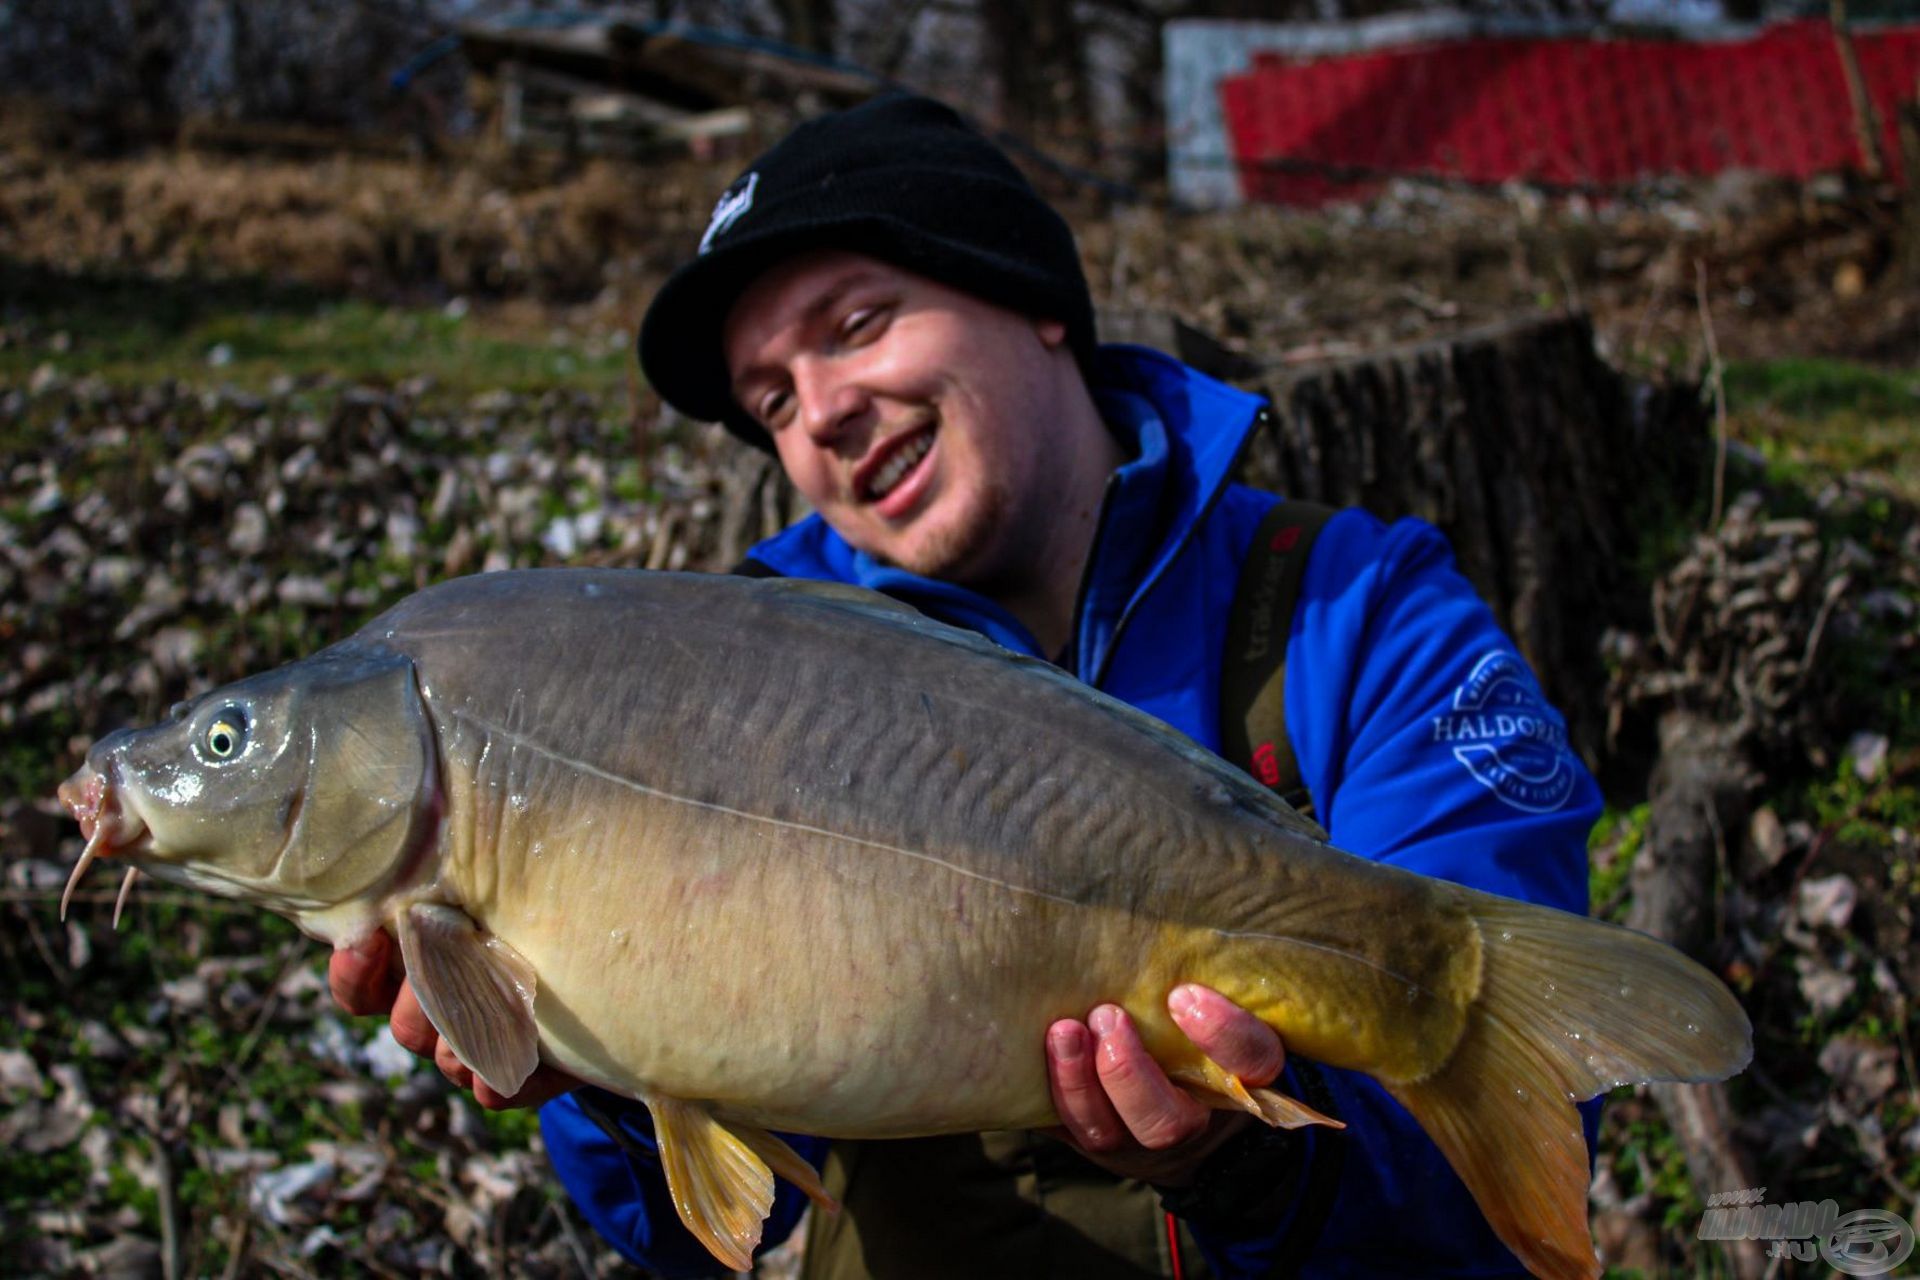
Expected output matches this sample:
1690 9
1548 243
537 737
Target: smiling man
884 302
906 412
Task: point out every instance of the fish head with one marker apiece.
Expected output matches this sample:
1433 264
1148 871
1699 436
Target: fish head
300 788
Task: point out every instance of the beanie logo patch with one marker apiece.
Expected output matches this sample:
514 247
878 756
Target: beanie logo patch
733 204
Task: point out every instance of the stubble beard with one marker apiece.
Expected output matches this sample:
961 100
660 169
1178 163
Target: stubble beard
962 550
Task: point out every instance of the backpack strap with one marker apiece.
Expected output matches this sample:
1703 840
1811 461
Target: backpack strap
1253 670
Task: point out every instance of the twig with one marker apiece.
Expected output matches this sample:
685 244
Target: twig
572 1237
58 970
237 1251
292 953
1906 1051
365 1258
1655 308
1866 122
1835 589
1716 377
169 1204
1433 308
286 1268
1899 1188
1568 283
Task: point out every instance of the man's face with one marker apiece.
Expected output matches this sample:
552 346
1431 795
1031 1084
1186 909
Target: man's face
915 418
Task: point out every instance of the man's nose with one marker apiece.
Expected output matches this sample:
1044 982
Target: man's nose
829 402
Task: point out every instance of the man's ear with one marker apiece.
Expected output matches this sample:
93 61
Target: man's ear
1053 333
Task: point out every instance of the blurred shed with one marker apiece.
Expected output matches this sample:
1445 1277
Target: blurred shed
623 86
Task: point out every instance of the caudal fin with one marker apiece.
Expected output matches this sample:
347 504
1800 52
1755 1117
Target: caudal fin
1567 1008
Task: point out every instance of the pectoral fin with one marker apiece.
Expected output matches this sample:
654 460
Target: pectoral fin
476 990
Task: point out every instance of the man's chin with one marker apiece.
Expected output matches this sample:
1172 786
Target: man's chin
933 553
946 541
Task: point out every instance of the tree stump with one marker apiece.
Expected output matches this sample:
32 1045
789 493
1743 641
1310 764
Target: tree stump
1545 467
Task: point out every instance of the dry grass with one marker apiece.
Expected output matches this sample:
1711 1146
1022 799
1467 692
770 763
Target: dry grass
381 227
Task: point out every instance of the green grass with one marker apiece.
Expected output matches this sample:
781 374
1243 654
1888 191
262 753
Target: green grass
134 329
1812 387
1621 833
1815 417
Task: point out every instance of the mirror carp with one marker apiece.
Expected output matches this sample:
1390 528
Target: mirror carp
771 855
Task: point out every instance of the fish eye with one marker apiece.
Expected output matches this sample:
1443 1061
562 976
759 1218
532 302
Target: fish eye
226 736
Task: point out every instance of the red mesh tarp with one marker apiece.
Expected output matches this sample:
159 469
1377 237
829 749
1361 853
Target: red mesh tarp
1566 112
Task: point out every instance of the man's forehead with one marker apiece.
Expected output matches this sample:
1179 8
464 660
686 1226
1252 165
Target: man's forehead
809 279
798 291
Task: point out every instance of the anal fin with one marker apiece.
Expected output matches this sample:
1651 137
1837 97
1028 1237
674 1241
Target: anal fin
720 1185
786 1162
476 990
1219 1088
1282 1112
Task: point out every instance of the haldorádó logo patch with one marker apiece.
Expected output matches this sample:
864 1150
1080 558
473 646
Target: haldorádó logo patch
1502 731
736 200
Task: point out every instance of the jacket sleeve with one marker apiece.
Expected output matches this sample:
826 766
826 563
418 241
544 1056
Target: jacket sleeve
621 1190
1425 742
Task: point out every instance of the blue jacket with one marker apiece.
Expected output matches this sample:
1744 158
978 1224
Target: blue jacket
1419 731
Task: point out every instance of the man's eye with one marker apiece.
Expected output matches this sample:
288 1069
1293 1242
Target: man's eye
774 406
862 322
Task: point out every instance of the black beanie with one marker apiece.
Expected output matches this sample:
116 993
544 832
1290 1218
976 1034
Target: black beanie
900 178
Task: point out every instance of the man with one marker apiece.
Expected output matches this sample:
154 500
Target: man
884 302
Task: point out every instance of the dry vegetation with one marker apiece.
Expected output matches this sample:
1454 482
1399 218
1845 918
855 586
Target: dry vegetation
182 501
1790 270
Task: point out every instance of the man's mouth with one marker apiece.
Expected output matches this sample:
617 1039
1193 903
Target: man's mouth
899 456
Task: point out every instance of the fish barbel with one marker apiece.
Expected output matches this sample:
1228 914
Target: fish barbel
779 855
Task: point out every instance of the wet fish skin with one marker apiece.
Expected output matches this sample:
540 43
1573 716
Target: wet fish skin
650 828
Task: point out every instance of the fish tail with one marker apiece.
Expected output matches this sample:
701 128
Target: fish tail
1567 1008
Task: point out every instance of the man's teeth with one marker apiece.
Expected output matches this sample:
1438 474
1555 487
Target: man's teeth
899 464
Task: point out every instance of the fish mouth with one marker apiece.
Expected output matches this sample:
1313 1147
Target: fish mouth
110 827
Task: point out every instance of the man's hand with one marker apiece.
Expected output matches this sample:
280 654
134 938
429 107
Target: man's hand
368 979
1118 1107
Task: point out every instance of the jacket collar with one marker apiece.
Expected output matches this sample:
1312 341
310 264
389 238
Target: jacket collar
1185 433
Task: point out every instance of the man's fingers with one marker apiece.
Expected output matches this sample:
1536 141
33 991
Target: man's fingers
544 1085
451 1067
1156 1112
1227 1033
363 978
1085 1114
411 1027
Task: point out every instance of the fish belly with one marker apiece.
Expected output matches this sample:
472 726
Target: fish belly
793 977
